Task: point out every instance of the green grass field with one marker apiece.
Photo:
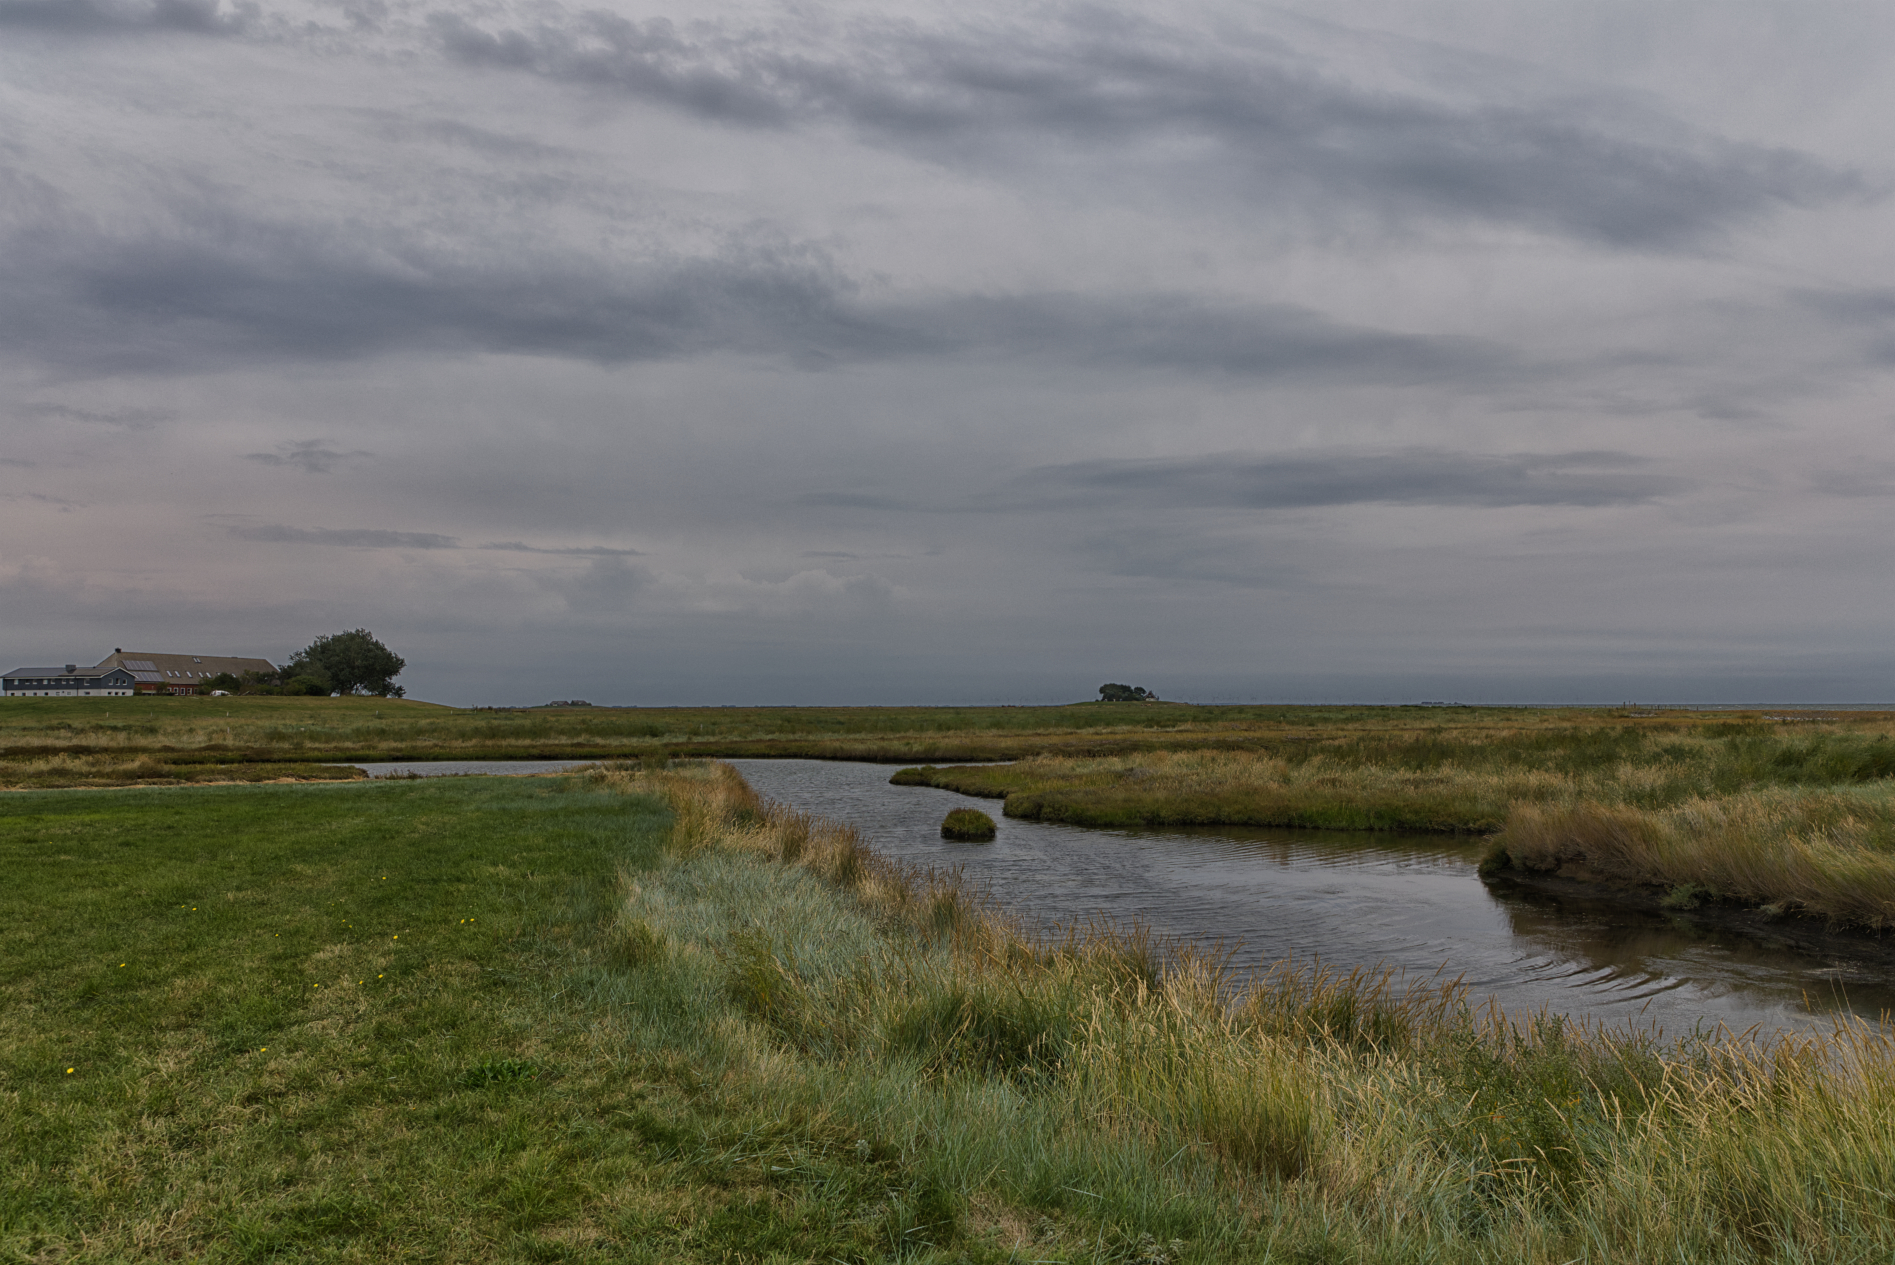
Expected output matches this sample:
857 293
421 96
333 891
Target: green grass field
374 1023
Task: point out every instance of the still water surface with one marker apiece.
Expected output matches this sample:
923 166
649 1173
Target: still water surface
468 768
1413 902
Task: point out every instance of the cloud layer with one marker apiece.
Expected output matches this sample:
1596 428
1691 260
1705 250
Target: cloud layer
752 353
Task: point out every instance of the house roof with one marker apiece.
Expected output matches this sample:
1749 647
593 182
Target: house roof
145 665
60 670
180 667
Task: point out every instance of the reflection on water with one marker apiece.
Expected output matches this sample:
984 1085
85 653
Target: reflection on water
1405 901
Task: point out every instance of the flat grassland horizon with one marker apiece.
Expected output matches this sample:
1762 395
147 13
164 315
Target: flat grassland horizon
1779 812
96 740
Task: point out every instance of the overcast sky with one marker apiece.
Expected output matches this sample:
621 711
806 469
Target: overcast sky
1350 349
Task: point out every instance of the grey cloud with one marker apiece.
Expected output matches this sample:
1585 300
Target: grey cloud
1182 332
582 551
311 456
605 588
347 537
370 538
264 291
400 127
1111 84
1868 479
204 17
850 500
60 503
1869 312
1859 306
1416 476
1170 551
125 419
252 290
16 462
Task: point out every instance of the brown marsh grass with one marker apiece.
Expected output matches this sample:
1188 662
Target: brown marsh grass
1827 853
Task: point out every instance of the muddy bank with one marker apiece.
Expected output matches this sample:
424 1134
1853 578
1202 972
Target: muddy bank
1770 925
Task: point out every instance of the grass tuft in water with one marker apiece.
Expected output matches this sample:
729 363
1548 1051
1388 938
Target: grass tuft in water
968 825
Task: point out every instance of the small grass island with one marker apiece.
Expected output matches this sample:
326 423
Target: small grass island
968 825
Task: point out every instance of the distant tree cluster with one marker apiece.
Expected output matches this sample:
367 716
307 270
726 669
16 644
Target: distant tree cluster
341 663
1113 693
349 663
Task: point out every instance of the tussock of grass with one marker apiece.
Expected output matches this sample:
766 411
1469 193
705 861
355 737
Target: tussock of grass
968 824
1826 853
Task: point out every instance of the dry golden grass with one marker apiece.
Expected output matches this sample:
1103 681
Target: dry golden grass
1826 853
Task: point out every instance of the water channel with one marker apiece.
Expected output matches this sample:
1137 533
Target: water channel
1410 902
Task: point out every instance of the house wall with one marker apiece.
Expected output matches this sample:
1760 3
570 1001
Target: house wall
115 684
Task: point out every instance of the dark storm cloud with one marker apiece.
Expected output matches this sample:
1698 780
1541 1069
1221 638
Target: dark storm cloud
1133 91
105 16
89 301
346 537
1418 476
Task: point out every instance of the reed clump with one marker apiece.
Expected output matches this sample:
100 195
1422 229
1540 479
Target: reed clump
1830 854
969 825
1119 1092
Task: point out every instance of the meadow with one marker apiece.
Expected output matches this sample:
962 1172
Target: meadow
638 1015
376 1022
51 742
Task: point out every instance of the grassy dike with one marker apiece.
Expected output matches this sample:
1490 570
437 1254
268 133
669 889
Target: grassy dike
683 1026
